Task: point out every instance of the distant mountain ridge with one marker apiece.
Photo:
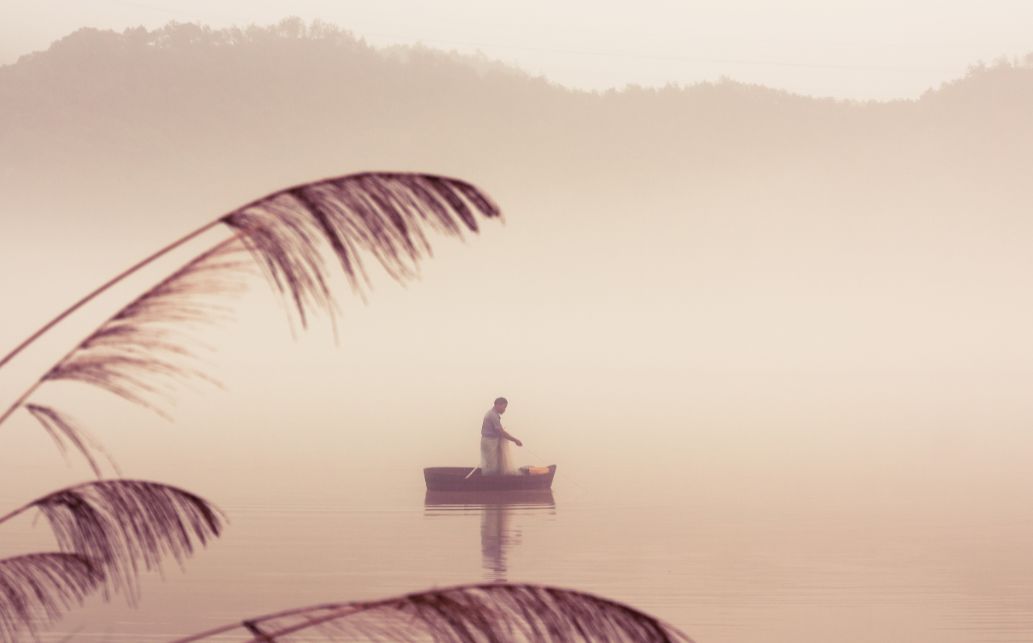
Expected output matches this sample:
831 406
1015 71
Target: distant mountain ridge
144 102
231 80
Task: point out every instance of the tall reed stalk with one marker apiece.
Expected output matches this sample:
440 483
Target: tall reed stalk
107 530
287 234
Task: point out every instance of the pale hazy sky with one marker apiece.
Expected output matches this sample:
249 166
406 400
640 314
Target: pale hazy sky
845 48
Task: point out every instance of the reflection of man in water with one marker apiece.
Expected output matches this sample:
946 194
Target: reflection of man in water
494 452
496 539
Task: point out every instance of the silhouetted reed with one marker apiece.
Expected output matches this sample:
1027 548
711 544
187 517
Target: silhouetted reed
119 525
142 348
106 530
463 614
37 589
379 213
62 429
136 352
109 529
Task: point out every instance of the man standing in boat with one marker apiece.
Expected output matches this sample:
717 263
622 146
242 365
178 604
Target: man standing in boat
494 452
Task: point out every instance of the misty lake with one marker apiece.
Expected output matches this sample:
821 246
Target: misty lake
777 345
723 568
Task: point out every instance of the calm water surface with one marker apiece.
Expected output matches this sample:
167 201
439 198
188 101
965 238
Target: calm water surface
722 571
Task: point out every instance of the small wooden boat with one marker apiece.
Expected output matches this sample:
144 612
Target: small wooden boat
460 479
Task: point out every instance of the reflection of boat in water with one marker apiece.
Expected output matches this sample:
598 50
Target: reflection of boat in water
515 499
496 509
462 479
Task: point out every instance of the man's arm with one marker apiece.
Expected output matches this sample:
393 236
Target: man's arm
507 436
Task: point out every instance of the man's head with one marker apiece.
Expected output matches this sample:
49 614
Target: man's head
500 405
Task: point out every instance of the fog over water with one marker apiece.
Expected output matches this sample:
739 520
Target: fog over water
778 346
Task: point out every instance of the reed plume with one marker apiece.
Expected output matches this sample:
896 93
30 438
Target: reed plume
109 529
381 214
141 349
65 430
36 589
119 526
462 614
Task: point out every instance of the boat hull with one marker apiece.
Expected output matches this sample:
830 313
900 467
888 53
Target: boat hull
460 479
